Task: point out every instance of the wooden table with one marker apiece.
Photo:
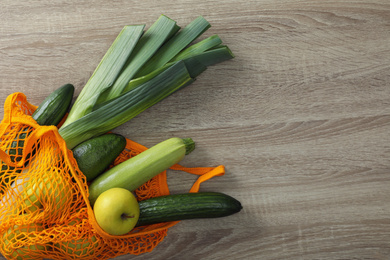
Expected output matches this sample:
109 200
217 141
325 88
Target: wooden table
300 118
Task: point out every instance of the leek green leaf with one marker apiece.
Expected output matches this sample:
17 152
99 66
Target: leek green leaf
177 43
126 106
106 72
149 43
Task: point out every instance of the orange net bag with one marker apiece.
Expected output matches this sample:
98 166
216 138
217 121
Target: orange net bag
44 208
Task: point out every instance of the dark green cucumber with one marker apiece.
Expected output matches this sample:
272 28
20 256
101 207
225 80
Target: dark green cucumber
187 206
96 154
54 107
49 112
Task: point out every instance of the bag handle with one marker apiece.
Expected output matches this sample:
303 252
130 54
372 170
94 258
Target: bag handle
206 173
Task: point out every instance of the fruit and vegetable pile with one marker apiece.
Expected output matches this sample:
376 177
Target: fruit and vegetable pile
72 189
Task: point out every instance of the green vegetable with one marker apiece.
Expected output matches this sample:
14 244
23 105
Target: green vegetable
187 206
177 43
147 46
117 111
53 109
106 72
49 112
97 154
137 170
200 47
138 71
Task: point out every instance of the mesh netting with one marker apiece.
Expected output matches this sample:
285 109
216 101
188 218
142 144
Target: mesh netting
44 209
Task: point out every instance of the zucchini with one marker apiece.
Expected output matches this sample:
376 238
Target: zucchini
49 112
187 206
97 154
137 170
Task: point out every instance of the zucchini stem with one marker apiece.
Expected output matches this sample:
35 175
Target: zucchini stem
190 145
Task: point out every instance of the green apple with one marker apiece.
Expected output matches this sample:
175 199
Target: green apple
53 190
85 246
30 192
8 207
22 234
80 247
116 211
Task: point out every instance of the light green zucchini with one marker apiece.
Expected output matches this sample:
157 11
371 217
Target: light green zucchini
137 170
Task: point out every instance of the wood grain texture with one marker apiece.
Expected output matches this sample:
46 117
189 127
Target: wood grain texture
300 118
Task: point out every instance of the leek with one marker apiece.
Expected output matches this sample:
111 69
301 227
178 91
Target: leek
106 72
214 56
124 107
149 43
196 62
175 45
136 75
200 47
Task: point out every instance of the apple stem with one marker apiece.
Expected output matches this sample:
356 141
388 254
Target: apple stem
127 216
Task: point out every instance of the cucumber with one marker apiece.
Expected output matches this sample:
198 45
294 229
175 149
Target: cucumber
96 154
137 170
187 206
54 107
49 112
